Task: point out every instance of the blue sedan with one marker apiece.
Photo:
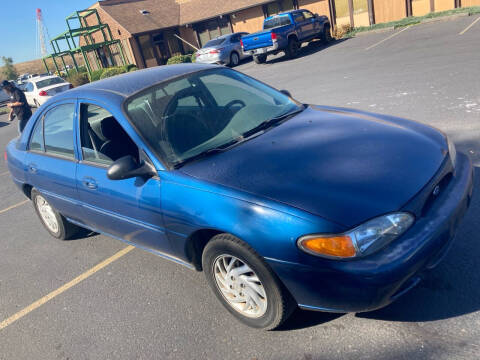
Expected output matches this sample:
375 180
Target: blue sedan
279 203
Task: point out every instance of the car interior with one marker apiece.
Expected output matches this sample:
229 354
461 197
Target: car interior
103 138
190 117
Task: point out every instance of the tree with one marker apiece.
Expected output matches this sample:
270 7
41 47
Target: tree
8 69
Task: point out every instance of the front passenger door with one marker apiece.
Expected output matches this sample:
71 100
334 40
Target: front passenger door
311 26
127 209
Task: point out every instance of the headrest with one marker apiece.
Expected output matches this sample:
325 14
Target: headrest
111 129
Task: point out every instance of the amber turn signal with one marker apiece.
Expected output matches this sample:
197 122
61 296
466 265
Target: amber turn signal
337 246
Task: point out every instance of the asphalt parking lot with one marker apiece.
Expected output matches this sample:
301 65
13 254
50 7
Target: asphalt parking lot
140 306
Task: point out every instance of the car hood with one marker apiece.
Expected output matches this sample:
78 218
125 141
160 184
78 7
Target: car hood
345 166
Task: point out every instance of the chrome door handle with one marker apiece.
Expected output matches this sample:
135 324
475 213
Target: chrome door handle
32 168
89 183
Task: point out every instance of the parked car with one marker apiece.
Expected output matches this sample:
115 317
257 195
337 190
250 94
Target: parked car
286 32
225 50
39 89
279 203
4 98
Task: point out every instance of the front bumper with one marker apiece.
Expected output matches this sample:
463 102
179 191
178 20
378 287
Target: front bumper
375 281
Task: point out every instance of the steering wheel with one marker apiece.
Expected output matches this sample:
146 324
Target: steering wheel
233 102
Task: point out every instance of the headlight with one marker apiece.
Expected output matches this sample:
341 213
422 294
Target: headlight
452 151
363 240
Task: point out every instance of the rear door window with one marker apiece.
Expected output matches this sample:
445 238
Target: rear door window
276 21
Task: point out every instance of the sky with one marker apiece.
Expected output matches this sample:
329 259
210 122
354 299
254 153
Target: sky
18 25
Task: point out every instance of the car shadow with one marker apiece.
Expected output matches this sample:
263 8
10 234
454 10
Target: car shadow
301 319
82 234
312 48
453 288
4 123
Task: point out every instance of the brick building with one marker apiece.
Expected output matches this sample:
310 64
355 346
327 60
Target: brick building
147 28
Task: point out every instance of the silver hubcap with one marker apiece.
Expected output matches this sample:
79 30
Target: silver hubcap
240 286
235 59
47 214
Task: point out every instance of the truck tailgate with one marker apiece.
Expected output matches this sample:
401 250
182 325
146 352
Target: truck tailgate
257 40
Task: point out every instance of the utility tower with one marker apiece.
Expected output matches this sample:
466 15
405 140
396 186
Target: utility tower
42 34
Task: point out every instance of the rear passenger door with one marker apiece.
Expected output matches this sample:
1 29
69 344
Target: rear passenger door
127 209
51 158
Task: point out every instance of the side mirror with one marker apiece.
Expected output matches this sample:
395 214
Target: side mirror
316 15
126 167
286 92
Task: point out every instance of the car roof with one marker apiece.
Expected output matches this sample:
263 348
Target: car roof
132 82
284 13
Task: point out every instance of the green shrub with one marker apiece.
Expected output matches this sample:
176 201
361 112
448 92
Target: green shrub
78 79
112 72
193 57
178 59
96 74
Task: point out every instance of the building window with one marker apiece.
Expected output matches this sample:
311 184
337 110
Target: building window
212 29
280 6
146 47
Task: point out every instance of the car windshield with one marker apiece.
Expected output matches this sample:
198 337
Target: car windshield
204 111
49 82
276 21
215 42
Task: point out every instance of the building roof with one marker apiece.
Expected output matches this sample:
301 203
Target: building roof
159 14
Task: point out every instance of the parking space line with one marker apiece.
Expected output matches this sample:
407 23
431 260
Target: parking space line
469 26
4 173
388 38
14 206
65 287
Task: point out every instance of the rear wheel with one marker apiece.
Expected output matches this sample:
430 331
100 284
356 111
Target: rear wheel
245 284
234 59
292 48
51 219
259 59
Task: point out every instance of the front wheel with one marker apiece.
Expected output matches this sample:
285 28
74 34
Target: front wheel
326 34
259 59
51 219
245 284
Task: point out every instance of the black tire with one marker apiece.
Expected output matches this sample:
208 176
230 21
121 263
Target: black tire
292 48
326 34
234 59
37 105
259 59
65 229
279 303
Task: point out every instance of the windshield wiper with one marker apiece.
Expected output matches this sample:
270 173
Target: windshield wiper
216 150
268 123
257 130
